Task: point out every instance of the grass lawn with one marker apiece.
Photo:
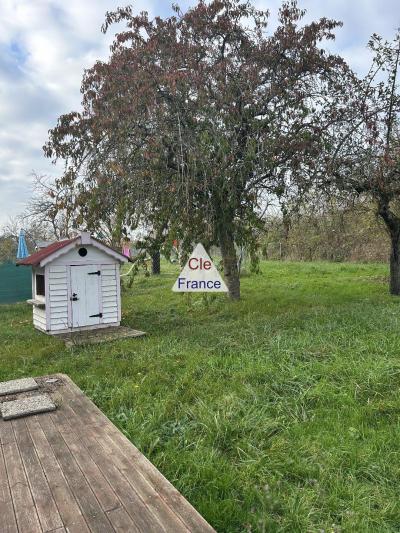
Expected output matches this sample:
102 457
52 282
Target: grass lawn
277 413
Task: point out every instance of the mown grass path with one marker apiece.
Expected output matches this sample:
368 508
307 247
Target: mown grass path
276 413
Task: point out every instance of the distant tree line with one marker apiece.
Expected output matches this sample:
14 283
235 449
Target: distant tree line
333 232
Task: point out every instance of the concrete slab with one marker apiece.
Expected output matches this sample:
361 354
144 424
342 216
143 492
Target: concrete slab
27 406
17 385
96 336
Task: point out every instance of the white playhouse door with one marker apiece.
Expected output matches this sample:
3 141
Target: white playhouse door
85 295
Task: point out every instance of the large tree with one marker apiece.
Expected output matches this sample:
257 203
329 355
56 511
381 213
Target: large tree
365 146
201 115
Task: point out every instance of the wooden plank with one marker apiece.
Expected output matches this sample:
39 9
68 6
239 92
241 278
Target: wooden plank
110 305
137 509
109 281
61 285
59 321
56 298
59 303
56 276
110 309
156 506
59 314
110 296
25 511
101 488
159 507
87 501
39 320
67 506
121 521
7 516
54 292
176 501
46 508
109 286
58 327
57 293
168 493
111 318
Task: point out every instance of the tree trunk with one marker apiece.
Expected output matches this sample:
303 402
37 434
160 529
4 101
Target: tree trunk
229 259
395 266
393 226
156 263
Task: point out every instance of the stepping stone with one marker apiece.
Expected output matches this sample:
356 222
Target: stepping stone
17 385
99 335
27 406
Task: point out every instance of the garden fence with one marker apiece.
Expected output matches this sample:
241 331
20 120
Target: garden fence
15 283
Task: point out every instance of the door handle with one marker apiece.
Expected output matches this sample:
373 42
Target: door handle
74 297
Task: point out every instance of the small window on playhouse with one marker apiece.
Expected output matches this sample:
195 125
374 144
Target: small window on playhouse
40 286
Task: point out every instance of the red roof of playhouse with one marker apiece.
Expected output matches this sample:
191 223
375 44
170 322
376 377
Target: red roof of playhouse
39 256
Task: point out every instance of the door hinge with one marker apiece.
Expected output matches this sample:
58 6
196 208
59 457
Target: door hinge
97 273
99 315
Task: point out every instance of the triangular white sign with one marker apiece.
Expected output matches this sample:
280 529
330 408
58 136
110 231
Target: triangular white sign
199 274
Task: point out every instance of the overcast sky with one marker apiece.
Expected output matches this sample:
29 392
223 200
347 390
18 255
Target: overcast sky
46 44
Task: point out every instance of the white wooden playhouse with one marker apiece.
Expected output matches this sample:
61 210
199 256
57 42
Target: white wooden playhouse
75 285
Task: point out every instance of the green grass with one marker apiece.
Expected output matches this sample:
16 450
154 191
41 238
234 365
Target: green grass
276 413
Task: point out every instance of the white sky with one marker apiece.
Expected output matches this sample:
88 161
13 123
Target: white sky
46 44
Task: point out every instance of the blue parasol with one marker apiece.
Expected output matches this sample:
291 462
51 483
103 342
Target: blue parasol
22 248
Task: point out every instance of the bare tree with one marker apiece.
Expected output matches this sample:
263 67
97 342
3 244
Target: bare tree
52 208
9 233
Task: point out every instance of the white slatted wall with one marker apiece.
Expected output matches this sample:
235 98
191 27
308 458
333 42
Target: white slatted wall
58 297
110 293
39 318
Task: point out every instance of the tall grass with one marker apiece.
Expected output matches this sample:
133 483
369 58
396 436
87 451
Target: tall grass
276 413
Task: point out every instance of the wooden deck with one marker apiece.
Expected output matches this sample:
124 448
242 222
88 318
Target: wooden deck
73 471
